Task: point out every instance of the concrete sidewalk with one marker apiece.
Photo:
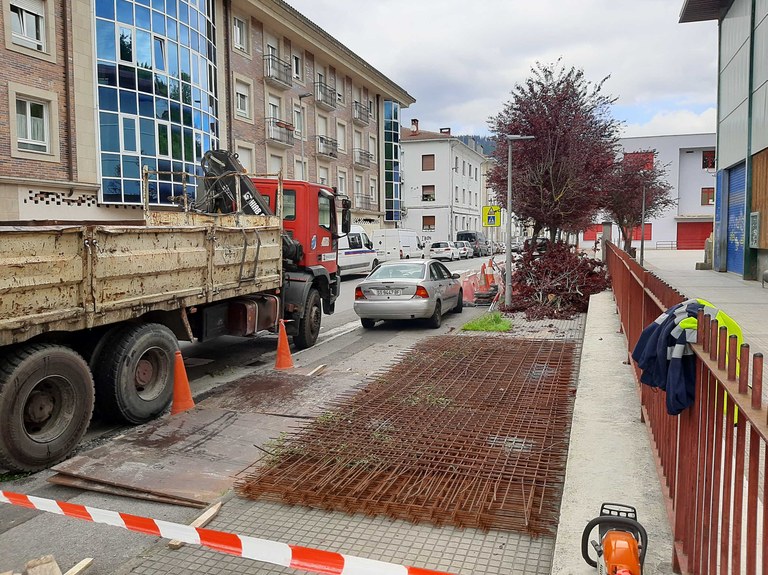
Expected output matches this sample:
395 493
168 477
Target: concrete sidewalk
610 456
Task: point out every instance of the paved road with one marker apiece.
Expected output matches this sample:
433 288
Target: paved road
26 534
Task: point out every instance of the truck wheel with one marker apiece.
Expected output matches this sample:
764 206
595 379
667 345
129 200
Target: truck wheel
134 373
46 402
436 319
309 325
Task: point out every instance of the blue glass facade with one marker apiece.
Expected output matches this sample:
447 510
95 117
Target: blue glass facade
157 96
392 161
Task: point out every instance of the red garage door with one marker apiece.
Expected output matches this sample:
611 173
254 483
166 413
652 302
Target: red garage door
691 235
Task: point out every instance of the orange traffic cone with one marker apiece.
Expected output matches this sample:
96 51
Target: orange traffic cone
283 359
484 285
182 395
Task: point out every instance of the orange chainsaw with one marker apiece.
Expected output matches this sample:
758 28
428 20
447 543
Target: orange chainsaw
623 541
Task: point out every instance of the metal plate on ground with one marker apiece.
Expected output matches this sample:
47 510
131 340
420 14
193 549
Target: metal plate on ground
190 457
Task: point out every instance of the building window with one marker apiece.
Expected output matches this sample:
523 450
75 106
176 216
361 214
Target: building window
372 188
464 168
341 136
28 24
427 193
242 99
707 196
298 67
342 183
428 223
298 122
245 155
707 161
32 131
322 175
456 194
373 148
240 34
427 162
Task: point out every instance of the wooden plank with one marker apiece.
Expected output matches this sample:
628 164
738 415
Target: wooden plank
201 521
80 567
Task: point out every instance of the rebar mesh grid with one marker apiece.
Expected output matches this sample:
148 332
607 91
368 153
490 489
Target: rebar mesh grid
471 432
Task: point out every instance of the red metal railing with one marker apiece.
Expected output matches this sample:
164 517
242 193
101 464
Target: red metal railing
712 457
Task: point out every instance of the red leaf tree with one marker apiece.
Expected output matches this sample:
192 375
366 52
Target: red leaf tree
557 178
624 197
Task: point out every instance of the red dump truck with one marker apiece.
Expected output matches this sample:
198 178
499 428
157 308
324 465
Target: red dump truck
91 313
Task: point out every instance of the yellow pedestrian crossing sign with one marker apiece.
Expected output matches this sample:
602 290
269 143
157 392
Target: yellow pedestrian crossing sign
491 216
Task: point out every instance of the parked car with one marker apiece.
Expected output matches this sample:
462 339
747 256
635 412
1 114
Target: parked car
468 246
443 251
463 250
481 246
516 244
410 289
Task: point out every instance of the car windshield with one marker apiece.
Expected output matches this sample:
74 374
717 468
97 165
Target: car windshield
398 271
439 245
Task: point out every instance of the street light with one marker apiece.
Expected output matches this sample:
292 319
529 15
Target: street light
303 130
508 284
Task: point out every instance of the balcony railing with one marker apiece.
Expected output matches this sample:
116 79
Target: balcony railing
360 114
325 96
327 147
363 158
366 203
280 132
277 72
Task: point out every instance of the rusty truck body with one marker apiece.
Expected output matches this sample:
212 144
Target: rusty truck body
91 313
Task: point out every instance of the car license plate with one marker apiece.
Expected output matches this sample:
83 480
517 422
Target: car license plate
390 292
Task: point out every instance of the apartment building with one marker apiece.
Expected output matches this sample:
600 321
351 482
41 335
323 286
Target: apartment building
102 90
443 190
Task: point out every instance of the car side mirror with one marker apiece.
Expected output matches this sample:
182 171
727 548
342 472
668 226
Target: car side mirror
456 276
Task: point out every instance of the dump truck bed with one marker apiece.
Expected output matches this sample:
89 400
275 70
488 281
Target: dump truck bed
71 277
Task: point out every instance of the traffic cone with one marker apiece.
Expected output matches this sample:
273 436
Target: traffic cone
182 395
283 359
468 291
484 285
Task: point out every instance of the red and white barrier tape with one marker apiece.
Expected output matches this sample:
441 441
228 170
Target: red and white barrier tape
293 556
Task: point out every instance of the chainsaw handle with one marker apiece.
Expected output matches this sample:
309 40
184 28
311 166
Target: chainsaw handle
609 520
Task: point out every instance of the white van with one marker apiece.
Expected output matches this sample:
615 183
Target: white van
356 253
397 244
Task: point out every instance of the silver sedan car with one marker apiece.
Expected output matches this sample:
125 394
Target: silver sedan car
410 289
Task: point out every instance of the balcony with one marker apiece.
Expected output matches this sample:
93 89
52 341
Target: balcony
362 158
280 132
325 96
366 203
277 72
327 147
360 114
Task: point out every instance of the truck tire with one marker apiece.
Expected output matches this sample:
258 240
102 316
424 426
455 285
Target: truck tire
134 373
46 402
309 325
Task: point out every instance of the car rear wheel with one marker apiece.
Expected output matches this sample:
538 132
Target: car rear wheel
459 304
436 319
367 323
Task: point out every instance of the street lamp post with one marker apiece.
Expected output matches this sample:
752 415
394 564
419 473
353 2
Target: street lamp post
508 273
303 129
642 229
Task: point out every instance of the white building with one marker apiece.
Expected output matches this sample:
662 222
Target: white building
442 187
689 162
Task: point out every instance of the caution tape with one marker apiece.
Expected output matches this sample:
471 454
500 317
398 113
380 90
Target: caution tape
293 556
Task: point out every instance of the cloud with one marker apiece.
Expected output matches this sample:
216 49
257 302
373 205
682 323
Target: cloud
461 60
674 122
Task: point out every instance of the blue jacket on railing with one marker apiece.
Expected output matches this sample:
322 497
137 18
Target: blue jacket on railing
664 355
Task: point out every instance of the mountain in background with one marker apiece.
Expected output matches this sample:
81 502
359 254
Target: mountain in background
485 142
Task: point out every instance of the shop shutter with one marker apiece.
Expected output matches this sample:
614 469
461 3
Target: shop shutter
736 216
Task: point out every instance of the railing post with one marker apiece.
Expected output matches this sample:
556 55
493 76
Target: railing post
744 369
713 339
722 347
733 359
757 381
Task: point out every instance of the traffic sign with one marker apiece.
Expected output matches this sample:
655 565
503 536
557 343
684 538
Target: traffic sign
491 216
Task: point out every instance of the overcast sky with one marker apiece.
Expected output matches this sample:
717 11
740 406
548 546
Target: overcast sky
461 58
